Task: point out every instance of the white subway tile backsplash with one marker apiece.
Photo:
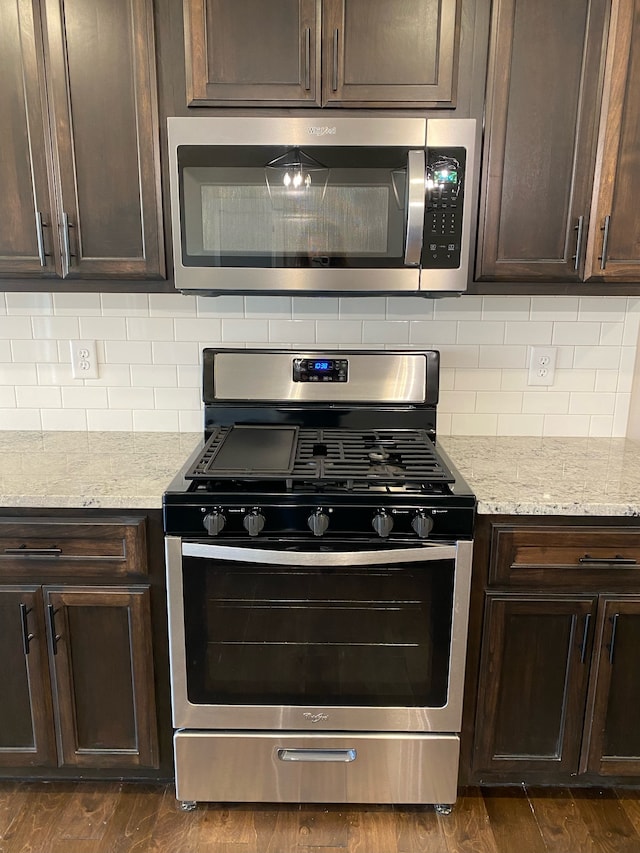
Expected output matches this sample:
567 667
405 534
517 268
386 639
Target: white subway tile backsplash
38 397
125 304
15 328
534 333
34 351
150 329
84 397
433 333
380 332
55 327
577 333
154 375
245 331
110 420
149 355
480 332
29 304
292 331
69 419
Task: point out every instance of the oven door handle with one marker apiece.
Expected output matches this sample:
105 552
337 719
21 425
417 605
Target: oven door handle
272 557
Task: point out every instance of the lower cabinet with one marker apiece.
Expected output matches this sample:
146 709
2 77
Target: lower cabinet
558 684
78 685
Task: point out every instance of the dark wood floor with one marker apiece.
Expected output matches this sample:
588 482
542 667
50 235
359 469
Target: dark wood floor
111 817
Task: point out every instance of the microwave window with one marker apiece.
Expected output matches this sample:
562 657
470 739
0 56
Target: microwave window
231 216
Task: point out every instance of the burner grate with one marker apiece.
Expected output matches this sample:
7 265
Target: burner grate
346 457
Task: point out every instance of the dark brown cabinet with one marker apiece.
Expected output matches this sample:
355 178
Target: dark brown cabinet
80 144
78 689
374 53
613 253
543 92
559 677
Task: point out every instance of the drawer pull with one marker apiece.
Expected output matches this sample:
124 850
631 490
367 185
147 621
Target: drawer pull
23 551
612 561
340 755
26 636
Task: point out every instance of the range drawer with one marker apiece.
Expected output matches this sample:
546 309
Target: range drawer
287 767
116 546
532 555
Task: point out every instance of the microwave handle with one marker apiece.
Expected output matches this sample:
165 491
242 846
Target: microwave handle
416 170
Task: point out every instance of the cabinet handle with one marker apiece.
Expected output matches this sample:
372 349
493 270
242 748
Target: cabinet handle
334 82
23 551
614 626
579 227
611 561
307 58
40 239
66 225
52 628
26 636
605 241
585 635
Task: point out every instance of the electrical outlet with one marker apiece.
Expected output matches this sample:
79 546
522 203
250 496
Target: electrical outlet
84 361
542 365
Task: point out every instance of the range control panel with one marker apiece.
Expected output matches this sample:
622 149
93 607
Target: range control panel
320 369
444 204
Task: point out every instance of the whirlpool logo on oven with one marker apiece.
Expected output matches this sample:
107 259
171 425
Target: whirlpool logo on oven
315 718
318 130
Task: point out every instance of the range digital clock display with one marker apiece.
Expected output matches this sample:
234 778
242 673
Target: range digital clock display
320 369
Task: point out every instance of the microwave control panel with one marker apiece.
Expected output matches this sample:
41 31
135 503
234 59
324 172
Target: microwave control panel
444 206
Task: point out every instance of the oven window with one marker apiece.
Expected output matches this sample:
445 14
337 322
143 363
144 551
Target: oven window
288 636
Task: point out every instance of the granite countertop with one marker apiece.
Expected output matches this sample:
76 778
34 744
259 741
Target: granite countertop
131 470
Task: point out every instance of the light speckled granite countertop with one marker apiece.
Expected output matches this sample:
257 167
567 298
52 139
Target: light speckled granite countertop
130 470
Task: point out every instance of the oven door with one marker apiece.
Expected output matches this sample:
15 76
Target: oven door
326 638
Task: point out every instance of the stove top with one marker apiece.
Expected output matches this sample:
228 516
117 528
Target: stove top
327 446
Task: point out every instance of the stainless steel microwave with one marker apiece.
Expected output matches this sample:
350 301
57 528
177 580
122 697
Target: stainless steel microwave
347 205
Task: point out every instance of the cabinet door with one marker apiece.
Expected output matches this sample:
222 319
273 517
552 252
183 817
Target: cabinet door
102 669
102 86
614 237
533 685
385 53
542 99
613 743
27 232
26 720
243 51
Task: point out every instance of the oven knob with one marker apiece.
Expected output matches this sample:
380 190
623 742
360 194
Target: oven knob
214 522
422 524
254 522
318 522
382 523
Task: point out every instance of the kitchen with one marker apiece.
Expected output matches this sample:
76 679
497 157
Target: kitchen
149 345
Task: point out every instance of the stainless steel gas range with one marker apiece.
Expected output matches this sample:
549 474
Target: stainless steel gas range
318 547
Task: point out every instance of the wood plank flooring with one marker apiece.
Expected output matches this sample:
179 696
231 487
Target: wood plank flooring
113 817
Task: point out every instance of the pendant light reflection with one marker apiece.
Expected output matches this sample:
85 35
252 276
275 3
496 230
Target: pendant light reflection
296 181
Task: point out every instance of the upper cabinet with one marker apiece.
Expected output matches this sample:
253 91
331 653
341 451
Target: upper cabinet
355 53
614 231
80 164
560 168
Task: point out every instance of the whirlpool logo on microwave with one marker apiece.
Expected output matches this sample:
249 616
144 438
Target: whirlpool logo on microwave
317 130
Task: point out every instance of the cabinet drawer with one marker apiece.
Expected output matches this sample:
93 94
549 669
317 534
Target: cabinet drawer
114 546
548 555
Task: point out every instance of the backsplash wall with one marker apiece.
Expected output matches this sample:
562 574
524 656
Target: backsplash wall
149 349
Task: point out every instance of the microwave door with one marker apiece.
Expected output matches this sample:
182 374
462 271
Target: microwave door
416 166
